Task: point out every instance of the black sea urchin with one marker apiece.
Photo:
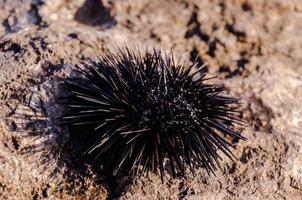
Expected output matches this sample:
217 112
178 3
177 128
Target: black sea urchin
136 112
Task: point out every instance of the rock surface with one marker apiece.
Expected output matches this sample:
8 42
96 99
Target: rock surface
253 47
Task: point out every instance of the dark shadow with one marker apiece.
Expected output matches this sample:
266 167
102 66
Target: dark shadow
231 29
94 13
116 185
40 116
194 27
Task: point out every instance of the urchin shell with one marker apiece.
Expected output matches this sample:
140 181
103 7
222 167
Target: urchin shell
137 112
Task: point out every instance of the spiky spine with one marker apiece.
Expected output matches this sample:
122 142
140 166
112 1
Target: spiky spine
133 111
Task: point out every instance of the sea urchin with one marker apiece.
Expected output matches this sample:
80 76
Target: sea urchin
139 112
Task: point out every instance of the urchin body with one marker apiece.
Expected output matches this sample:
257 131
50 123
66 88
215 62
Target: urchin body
131 111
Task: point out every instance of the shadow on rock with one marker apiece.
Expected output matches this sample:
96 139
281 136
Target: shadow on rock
39 118
94 13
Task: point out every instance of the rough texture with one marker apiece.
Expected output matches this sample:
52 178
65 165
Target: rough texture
253 47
